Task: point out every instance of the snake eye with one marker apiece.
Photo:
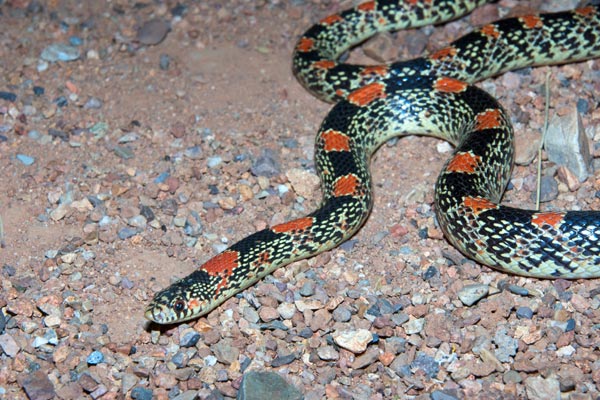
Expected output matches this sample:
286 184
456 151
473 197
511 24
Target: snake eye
179 305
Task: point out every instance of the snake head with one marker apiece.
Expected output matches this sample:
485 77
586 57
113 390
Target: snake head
186 299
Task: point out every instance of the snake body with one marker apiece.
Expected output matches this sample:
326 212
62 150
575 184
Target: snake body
431 96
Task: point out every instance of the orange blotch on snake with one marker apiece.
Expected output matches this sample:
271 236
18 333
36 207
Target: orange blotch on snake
531 21
263 257
193 303
305 44
380 70
324 64
490 30
367 6
222 264
417 2
367 94
346 186
463 162
488 119
335 141
547 218
478 205
221 285
330 20
446 52
450 85
585 11
299 224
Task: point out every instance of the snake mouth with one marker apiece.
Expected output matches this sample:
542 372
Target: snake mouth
156 315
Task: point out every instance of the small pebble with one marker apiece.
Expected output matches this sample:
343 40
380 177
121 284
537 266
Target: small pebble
263 385
75 41
180 359
162 177
189 339
539 388
194 152
415 325
153 32
342 314
61 101
524 313
441 395
328 353
511 376
570 325
354 340
214 161
33 134
307 289
60 52
283 360
37 385
164 62
426 363
25 160
521 291
471 294
140 393
8 345
96 357
430 273
210 360
127 232
93 103
8 96
266 165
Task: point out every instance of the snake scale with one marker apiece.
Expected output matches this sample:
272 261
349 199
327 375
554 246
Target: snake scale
433 96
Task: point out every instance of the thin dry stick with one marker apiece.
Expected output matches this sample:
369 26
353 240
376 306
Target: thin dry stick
1 233
546 118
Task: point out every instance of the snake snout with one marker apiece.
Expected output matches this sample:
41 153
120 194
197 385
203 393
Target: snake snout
156 315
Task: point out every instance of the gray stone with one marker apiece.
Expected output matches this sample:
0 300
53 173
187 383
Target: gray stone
471 294
153 32
38 386
266 385
140 393
440 395
225 351
60 52
9 345
566 144
506 346
266 165
538 388
426 363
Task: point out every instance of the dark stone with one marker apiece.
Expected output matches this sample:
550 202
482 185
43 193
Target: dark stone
283 360
189 339
267 385
524 313
37 386
426 363
8 96
140 393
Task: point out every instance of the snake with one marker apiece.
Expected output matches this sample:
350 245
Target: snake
433 95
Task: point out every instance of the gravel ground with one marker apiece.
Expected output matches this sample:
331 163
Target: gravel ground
139 139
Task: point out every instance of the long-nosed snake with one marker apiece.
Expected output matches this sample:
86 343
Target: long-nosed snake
429 96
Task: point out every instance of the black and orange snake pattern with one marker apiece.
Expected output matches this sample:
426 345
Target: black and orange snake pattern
432 96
